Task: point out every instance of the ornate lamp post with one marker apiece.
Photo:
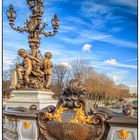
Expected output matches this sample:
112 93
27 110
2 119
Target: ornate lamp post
33 25
34 72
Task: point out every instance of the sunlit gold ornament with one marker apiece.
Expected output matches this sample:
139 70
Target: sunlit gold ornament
27 124
123 134
57 115
11 118
81 117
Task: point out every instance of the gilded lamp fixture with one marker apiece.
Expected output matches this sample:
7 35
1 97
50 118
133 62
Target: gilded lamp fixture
35 70
33 25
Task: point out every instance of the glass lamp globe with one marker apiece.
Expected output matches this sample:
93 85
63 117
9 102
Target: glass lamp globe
55 21
8 14
14 14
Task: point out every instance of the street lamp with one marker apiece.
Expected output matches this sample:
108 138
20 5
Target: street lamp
33 26
11 14
55 23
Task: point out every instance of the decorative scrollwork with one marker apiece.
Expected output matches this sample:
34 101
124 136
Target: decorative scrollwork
70 117
33 107
57 115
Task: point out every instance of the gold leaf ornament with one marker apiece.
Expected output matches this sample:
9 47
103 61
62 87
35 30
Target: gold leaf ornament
123 134
57 115
27 124
81 117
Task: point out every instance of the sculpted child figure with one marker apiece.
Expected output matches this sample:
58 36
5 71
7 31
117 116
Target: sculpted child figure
47 68
24 70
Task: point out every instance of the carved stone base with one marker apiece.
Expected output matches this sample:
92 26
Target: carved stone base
123 128
26 98
21 125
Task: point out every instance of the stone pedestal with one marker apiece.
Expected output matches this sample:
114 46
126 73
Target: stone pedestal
122 128
23 125
26 98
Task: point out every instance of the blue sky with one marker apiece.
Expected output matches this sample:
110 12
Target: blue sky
103 32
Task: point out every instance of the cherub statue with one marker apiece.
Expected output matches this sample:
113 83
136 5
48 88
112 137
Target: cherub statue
25 67
34 72
47 68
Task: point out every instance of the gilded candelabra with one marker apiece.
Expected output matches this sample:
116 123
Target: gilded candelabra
34 72
33 24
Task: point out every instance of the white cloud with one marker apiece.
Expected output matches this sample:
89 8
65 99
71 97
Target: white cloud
134 59
118 76
115 78
90 8
75 20
119 42
111 62
127 66
129 3
117 64
8 59
64 29
87 47
107 38
66 64
88 36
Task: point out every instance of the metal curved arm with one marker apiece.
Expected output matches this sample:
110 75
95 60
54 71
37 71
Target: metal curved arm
19 28
44 25
48 33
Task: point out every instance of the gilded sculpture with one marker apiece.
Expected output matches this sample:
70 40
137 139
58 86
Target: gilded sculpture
70 120
25 67
47 67
35 72
80 116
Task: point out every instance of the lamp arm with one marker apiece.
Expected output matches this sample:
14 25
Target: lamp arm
48 33
19 28
42 28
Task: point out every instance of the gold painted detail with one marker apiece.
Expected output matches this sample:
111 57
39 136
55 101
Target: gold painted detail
13 118
123 134
57 115
18 119
27 124
81 117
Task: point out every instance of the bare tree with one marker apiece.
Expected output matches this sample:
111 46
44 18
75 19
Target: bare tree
6 82
7 77
80 69
61 75
99 87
